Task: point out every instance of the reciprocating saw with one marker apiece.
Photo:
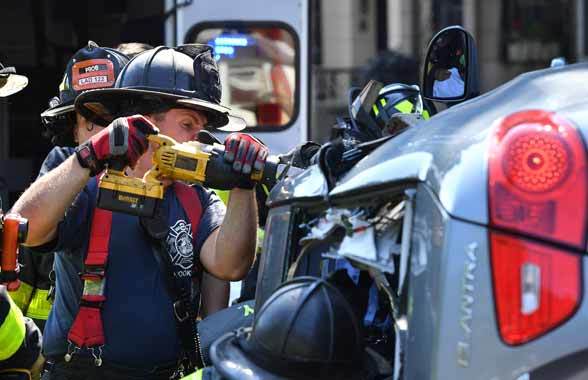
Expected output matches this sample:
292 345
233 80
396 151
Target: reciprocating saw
191 162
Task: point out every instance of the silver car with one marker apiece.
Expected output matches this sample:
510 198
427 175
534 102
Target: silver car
483 209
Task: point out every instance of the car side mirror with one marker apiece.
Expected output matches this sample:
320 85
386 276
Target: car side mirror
451 73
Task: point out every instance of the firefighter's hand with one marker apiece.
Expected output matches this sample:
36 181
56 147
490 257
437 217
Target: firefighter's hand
120 144
247 154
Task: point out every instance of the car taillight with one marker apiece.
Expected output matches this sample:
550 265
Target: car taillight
536 287
538 188
537 177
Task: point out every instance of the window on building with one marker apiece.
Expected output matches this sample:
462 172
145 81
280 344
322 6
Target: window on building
447 13
535 31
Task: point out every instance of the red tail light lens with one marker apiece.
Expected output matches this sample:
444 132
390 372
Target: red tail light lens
536 287
537 177
537 187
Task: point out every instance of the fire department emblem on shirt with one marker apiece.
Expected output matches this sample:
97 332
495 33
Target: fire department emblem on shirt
179 242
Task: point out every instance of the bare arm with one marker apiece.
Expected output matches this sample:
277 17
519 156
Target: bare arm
228 252
44 203
215 294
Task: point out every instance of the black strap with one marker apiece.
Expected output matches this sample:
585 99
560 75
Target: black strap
185 300
185 307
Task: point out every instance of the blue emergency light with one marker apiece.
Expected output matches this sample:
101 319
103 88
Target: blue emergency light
225 45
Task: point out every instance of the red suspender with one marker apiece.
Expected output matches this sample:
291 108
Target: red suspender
87 330
186 194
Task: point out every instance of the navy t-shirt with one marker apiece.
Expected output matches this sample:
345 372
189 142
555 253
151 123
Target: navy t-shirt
139 326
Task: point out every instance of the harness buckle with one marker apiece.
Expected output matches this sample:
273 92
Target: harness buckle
97 356
93 286
71 351
180 311
94 271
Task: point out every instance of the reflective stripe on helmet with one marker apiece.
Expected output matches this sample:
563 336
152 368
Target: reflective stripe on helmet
404 106
12 331
375 109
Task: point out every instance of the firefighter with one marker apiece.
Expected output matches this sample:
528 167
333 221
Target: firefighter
20 339
123 319
90 67
215 292
305 330
20 342
66 128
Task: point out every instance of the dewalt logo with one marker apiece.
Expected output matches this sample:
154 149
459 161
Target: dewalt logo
128 199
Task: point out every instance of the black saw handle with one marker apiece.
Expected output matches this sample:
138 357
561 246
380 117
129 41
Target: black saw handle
220 175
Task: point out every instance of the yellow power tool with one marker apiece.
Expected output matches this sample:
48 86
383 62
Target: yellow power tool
191 162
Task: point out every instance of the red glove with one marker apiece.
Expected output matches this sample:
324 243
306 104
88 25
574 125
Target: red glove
246 153
121 143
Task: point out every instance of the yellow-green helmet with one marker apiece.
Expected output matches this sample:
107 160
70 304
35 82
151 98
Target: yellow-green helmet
395 98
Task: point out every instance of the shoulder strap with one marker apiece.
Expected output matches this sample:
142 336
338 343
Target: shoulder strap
183 298
187 196
87 330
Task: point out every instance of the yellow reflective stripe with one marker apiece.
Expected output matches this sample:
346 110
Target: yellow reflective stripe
426 115
260 237
404 106
22 296
63 85
266 190
194 376
383 102
223 195
260 234
375 109
247 310
39 307
12 331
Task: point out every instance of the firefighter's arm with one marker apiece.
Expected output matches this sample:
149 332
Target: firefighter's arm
44 203
228 252
215 295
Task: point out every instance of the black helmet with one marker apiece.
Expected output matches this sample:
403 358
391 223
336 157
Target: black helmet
158 79
10 82
305 330
90 67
